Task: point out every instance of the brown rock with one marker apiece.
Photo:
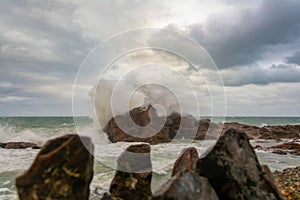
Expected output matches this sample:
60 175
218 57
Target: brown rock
233 170
144 125
288 147
186 185
63 169
132 179
186 161
19 145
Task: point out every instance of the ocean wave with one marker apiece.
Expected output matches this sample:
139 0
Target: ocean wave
12 134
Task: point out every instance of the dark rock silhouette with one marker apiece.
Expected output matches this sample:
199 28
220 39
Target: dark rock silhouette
132 179
19 145
144 125
63 169
233 170
186 161
186 185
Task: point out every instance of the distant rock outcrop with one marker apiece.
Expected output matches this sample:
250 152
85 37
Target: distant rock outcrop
144 125
292 147
63 169
19 145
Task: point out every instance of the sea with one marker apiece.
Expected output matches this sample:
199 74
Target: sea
14 162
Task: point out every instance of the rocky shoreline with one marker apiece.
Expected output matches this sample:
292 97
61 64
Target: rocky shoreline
288 180
63 169
153 129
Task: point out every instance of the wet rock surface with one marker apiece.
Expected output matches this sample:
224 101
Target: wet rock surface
186 161
63 169
132 180
19 145
229 171
186 185
292 147
144 125
233 170
288 181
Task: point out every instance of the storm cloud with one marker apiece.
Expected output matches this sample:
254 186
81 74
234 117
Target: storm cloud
43 43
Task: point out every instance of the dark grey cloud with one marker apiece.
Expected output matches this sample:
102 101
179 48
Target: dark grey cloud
243 39
281 73
35 31
295 58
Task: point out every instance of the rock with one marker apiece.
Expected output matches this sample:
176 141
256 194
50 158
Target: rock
283 149
132 179
186 185
144 125
289 189
233 170
19 145
186 161
106 196
288 147
270 178
63 169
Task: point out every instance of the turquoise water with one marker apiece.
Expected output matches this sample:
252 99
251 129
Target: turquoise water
40 129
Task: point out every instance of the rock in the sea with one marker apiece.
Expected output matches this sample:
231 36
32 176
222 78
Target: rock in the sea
187 160
144 125
233 170
186 185
19 145
292 147
63 169
132 179
288 147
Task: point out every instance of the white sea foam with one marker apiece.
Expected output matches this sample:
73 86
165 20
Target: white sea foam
12 134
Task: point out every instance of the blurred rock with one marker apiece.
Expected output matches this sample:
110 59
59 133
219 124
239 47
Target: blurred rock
233 170
63 169
186 185
19 145
132 179
186 161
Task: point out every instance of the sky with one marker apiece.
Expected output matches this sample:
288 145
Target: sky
255 45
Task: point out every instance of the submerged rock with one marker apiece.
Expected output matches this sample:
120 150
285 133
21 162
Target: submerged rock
63 169
284 148
132 179
233 169
19 145
186 185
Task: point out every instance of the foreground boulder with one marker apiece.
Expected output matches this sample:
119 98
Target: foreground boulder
187 161
19 145
186 185
63 169
132 179
233 170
